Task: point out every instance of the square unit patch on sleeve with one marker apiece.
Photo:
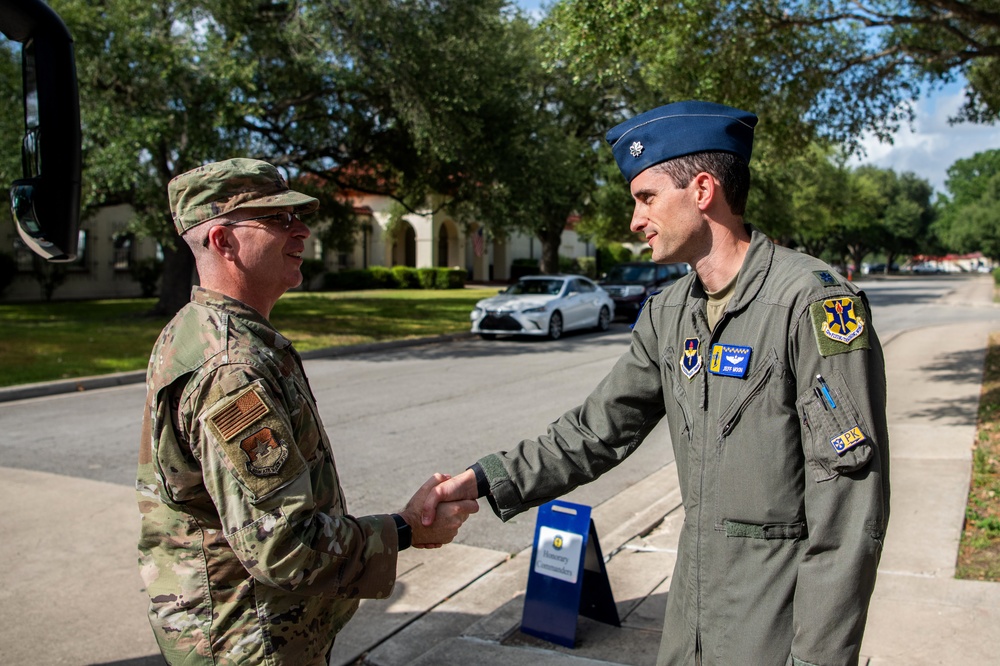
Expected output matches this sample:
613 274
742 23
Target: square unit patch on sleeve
840 325
256 441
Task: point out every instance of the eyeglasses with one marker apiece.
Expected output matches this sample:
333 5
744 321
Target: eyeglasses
284 219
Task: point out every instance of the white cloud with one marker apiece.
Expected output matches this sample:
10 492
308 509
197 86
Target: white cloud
932 145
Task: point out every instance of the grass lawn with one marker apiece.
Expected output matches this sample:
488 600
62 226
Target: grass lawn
46 341
979 551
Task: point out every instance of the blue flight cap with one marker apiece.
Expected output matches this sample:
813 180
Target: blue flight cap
680 129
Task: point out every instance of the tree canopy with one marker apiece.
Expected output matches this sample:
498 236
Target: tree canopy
970 213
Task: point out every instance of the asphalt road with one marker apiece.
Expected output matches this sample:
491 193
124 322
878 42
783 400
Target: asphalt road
397 416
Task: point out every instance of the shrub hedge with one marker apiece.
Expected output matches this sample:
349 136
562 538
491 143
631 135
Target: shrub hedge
397 277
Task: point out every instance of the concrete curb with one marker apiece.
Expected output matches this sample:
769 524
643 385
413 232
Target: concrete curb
42 389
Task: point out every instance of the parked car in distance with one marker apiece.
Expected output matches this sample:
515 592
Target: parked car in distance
925 269
630 284
544 305
878 269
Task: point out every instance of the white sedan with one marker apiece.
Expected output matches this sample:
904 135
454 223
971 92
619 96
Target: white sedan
544 305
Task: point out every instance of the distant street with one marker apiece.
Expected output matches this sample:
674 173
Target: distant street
397 416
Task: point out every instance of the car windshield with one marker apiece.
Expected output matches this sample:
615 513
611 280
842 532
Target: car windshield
623 273
546 287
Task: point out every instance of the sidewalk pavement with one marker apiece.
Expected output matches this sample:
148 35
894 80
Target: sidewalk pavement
920 614
71 593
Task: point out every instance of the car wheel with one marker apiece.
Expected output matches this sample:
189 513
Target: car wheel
555 326
488 336
604 320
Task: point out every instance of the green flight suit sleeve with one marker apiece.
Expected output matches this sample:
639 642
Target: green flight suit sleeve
846 451
275 488
586 441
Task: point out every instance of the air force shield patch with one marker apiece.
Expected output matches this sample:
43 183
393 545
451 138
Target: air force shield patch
840 325
691 358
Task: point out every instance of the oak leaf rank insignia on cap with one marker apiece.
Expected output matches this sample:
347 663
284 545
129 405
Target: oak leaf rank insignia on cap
679 129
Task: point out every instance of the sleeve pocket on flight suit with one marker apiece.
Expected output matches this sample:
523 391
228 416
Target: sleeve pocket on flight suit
837 439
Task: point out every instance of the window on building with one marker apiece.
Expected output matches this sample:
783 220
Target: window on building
124 251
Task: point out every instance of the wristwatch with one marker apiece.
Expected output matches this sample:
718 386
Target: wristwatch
404 533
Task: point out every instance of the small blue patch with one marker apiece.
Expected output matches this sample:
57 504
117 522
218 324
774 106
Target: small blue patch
826 277
730 360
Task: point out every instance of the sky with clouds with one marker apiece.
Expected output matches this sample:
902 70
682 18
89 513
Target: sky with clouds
930 145
927 147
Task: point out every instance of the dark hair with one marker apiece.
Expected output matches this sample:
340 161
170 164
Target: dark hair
730 169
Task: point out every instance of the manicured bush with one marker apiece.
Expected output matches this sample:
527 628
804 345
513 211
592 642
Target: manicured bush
147 273
427 277
521 267
311 269
406 277
349 280
454 278
397 277
382 278
587 266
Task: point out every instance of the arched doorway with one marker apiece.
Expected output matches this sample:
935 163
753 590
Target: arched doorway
404 246
447 245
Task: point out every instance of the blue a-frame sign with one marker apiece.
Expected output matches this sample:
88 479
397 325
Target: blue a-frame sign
567 576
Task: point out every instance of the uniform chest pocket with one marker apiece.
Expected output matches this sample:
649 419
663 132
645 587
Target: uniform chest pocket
674 382
756 384
837 438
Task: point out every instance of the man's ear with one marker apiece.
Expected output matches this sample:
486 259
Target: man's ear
707 188
221 242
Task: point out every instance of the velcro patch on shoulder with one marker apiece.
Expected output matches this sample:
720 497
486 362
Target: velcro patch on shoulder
840 324
826 278
256 441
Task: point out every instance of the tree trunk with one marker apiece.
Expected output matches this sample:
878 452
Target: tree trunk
551 238
175 289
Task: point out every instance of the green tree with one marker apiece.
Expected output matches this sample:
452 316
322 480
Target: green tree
885 212
937 39
970 214
11 115
160 93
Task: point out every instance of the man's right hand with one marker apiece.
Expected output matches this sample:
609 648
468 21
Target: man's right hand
443 527
458 488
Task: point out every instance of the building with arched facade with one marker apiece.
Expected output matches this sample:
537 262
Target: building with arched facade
432 238
422 239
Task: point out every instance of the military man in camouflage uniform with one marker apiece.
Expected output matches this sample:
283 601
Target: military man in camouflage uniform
768 370
246 547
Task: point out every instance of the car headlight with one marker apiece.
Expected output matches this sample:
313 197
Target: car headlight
633 290
476 313
540 308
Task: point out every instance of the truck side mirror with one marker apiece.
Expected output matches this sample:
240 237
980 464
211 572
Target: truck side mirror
45 202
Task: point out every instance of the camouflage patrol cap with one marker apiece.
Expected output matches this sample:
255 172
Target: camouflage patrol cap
215 189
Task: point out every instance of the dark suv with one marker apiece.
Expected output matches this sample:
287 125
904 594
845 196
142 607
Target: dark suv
632 283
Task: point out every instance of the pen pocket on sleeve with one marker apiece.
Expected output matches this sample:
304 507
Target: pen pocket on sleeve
837 439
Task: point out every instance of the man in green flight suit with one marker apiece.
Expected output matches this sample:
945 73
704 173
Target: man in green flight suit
246 547
768 370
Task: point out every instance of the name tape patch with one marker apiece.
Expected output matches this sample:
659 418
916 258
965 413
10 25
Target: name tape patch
847 440
730 360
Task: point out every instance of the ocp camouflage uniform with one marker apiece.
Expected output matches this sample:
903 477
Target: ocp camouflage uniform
246 549
784 477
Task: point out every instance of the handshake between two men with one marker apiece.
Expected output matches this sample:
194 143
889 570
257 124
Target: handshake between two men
439 508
